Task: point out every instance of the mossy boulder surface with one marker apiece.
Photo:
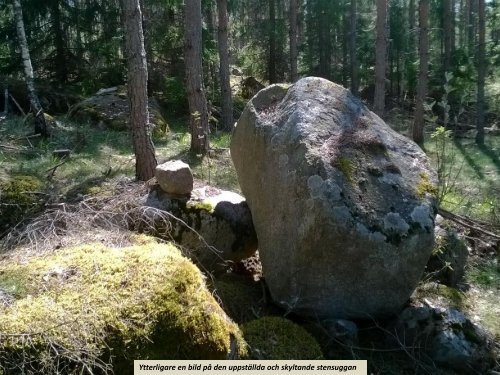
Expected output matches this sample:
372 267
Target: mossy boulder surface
108 108
279 339
93 308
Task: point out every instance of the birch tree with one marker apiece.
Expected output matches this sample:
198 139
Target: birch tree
40 124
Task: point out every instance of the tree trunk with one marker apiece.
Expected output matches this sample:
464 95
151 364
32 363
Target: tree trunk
225 84
353 47
447 37
293 40
380 58
418 125
198 119
466 23
137 81
57 30
481 71
40 124
272 42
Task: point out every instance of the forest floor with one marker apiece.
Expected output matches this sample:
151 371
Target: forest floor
99 158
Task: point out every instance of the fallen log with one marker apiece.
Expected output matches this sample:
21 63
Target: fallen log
467 223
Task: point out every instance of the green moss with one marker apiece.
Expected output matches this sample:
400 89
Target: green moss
111 305
425 186
346 166
18 199
160 128
200 206
442 294
239 295
278 338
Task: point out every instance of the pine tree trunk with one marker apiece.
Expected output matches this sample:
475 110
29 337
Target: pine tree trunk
293 40
447 37
225 84
57 30
40 124
137 81
466 25
198 119
481 71
380 58
418 125
353 48
272 42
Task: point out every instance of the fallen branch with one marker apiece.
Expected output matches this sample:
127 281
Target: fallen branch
54 168
17 105
467 223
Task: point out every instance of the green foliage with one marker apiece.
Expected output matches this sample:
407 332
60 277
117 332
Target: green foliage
486 275
175 95
445 158
108 306
272 338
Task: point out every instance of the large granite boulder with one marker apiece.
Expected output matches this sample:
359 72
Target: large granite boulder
343 206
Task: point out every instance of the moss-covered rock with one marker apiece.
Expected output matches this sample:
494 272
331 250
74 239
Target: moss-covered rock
278 338
240 296
448 258
109 108
215 226
18 199
93 306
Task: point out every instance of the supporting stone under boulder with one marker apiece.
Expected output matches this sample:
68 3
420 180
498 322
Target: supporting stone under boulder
214 226
343 206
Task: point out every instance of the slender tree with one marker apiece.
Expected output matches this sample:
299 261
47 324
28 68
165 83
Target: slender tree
293 40
137 82
226 97
353 46
380 58
198 119
447 34
481 71
418 125
60 43
40 124
272 42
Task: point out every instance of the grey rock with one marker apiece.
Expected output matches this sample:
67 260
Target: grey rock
449 257
459 344
342 330
339 201
109 109
175 177
214 230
